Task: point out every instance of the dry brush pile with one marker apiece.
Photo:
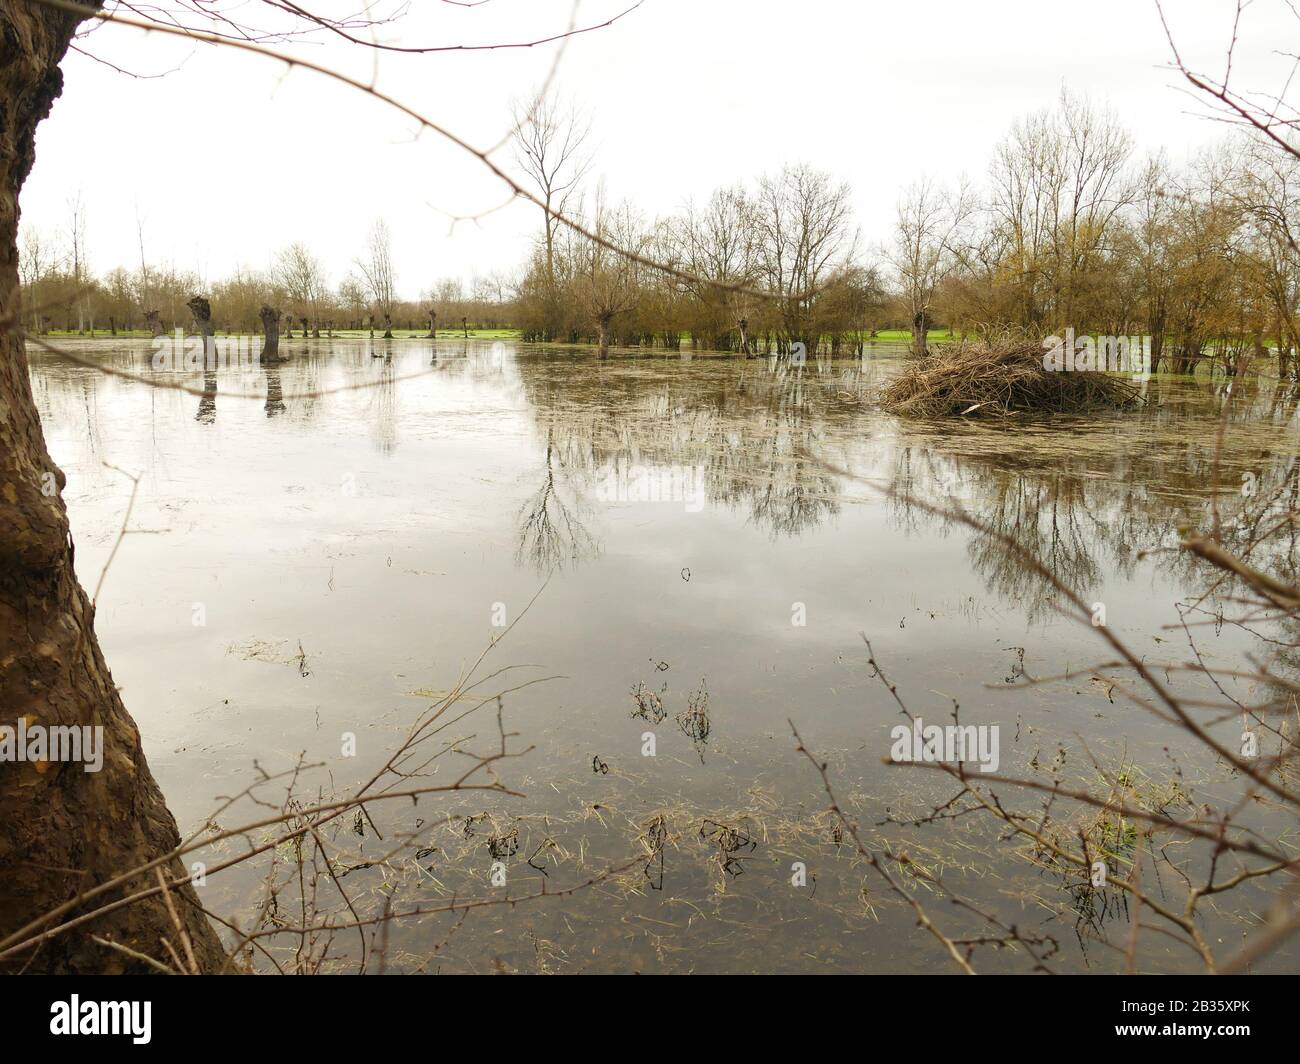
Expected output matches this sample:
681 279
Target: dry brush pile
992 378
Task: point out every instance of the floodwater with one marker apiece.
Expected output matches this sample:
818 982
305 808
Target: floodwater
323 548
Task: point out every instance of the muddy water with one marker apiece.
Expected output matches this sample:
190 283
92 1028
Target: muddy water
322 549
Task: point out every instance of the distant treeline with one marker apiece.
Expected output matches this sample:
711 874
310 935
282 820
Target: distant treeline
1070 229
55 297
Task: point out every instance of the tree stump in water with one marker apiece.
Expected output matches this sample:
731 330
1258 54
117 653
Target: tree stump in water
201 309
271 327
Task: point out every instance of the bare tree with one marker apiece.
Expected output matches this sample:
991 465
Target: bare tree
145 290
550 144
302 277
76 235
353 296
719 244
805 225
608 281
35 262
1060 184
377 269
1268 191
925 248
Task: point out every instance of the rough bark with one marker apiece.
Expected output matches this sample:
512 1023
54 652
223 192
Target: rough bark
433 325
201 310
271 328
62 829
920 333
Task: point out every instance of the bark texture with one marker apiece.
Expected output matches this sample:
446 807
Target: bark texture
62 829
271 328
201 310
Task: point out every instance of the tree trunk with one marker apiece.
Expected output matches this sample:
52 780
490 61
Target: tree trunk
433 325
201 310
1260 348
920 333
271 327
605 320
388 326
62 830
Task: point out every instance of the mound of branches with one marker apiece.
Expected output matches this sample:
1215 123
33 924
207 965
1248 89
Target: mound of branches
987 378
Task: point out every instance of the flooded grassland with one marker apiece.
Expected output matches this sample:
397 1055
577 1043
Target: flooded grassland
668 561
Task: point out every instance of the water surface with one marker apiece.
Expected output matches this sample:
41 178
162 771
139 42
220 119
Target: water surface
323 547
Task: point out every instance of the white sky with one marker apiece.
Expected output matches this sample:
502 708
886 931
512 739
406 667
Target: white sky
228 158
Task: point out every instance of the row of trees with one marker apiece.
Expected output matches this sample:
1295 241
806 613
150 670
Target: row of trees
791 236
61 293
1070 229
1073 230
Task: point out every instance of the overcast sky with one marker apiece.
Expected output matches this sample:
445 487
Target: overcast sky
228 157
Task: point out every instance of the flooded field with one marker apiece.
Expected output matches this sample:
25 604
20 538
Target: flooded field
668 560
